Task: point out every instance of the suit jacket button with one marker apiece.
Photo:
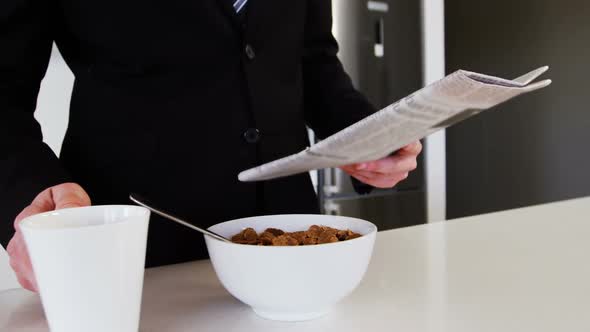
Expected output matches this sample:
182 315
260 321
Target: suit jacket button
252 135
250 52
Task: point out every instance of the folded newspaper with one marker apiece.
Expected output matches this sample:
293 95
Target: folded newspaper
437 106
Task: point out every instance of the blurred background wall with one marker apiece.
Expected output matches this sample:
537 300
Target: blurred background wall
531 150
534 149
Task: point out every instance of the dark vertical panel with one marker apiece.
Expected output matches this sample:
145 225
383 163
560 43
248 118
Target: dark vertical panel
399 73
534 149
384 80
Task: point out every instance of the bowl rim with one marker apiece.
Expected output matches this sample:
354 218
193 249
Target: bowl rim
372 232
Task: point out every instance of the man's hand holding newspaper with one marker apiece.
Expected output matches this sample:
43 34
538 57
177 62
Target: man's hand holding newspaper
437 106
388 171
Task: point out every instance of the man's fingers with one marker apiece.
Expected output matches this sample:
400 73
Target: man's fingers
365 174
40 204
27 284
375 175
362 178
381 182
393 164
11 248
65 195
349 168
413 149
389 171
59 197
69 195
388 183
20 262
410 150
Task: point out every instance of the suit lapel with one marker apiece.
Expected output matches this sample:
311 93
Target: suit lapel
258 11
228 9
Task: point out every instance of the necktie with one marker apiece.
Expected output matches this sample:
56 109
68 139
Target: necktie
239 5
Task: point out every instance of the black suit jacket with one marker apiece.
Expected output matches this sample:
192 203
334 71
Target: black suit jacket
164 92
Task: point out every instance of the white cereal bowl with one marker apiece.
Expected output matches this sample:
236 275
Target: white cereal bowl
291 283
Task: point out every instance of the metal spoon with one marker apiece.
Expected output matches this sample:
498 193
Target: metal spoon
140 201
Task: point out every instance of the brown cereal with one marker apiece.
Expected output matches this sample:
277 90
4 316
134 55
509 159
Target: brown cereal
284 240
347 235
247 236
327 237
353 236
250 234
267 234
299 236
276 237
274 231
314 231
266 238
310 241
342 235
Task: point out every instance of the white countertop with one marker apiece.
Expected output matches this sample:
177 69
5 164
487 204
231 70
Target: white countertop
520 270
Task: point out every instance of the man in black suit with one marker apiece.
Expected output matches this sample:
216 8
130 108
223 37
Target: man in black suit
171 100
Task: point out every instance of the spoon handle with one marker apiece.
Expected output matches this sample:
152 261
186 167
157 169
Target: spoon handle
135 198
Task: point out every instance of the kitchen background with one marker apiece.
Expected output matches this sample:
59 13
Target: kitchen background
531 150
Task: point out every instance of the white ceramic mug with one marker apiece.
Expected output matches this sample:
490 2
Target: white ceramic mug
89 265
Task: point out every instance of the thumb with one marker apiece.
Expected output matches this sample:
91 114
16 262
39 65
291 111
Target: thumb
69 195
412 149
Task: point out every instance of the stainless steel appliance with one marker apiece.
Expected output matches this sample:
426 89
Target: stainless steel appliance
380 47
